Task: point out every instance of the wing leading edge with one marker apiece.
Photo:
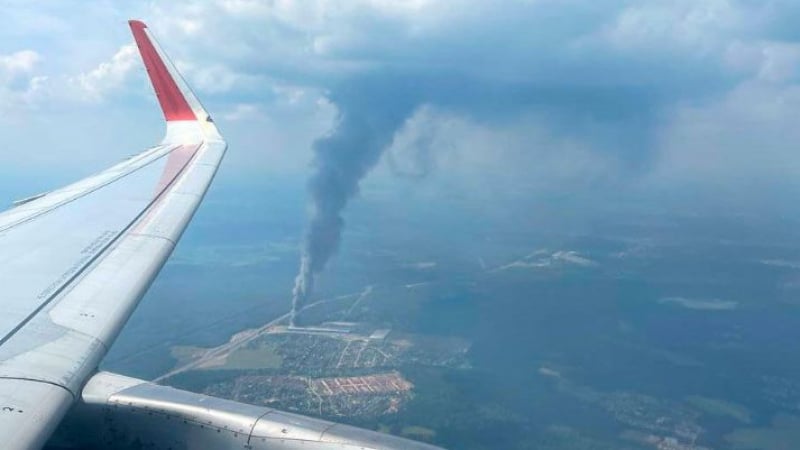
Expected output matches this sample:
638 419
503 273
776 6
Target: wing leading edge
78 259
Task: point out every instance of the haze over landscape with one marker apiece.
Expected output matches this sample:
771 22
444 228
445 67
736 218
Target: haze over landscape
564 224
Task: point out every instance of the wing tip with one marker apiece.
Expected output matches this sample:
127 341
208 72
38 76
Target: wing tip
163 76
137 24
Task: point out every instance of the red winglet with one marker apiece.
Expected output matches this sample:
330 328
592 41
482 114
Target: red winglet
172 101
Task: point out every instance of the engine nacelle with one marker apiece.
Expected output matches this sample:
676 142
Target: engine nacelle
121 412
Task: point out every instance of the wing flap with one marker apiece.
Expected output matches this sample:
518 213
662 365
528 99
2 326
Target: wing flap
30 413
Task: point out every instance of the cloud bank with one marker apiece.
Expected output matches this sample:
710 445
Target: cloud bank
544 92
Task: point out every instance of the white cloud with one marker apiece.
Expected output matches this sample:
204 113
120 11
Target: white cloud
108 76
696 26
190 27
766 60
21 62
519 153
249 8
749 133
17 81
218 79
242 111
701 304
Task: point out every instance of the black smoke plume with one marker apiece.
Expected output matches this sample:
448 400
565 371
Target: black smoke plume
371 109
368 117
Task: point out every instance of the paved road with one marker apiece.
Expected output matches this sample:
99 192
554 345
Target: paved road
240 339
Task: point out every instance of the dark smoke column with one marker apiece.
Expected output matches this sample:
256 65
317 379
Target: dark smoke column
366 125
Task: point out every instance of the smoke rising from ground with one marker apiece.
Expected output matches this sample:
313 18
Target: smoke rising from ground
371 110
367 122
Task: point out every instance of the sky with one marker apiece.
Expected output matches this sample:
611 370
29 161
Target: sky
544 94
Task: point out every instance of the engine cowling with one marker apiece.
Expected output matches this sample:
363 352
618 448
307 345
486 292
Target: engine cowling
122 412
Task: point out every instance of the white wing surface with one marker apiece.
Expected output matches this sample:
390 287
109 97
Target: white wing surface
76 261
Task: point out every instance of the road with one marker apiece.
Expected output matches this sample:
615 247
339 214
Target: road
241 339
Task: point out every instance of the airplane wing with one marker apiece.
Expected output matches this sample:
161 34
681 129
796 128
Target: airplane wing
75 261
